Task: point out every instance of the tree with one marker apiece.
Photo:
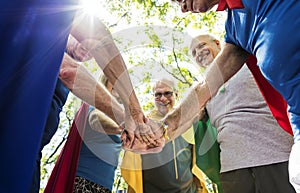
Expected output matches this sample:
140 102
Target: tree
153 36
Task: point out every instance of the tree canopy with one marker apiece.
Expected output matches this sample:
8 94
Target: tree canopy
153 37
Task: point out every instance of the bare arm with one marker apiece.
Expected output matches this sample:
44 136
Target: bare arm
102 123
226 64
83 85
95 37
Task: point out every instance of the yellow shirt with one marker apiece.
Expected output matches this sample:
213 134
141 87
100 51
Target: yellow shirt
131 167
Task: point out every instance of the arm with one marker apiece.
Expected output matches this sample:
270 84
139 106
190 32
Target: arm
97 39
88 89
102 123
226 64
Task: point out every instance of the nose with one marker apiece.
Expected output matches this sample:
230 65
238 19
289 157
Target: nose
196 52
163 98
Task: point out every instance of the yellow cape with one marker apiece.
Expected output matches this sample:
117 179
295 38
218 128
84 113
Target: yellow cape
131 167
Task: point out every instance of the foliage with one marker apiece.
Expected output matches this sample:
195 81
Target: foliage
153 37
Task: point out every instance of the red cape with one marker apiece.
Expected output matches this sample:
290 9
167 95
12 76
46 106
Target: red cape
275 101
64 172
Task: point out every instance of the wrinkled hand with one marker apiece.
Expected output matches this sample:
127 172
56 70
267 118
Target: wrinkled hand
157 128
152 143
132 123
145 134
140 147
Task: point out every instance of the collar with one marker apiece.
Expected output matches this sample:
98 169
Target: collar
230 4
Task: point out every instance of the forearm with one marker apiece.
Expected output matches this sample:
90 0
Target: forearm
106 103
228 62
83 85
102 123
95 37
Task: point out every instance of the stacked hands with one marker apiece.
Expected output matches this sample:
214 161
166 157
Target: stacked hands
143 137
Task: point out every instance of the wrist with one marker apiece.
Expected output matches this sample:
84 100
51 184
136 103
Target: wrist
136 113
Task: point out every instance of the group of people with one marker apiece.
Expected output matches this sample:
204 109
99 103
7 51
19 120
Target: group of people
33 51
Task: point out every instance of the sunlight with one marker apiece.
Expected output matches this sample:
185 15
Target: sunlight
91 6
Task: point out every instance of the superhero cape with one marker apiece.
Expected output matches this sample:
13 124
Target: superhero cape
231 4
208 161
275 101
64 172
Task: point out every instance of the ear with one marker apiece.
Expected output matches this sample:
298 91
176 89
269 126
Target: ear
176 94
218 43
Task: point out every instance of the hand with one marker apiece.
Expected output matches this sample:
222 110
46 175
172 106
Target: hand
145 134
141 148
130 125
153 137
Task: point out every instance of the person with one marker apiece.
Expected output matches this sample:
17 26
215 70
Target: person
88 83
246 129
263 40
99 153
34 39
32 48
171 170
279 66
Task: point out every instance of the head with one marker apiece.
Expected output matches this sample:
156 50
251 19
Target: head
196 6
77 51
110 87
204 48
165 94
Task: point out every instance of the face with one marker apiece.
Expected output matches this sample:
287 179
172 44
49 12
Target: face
164 97
196 6
204 49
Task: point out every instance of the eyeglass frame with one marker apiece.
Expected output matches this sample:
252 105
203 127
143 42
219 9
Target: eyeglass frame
166 94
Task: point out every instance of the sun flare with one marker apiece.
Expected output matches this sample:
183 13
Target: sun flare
91 6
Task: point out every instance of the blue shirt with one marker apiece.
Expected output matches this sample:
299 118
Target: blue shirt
269 30
33 39
99 156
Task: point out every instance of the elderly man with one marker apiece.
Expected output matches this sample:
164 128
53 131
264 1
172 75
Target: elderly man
246 129
259 28
170 170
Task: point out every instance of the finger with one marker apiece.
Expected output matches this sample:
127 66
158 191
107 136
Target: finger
149 138
127 138
130 137
161 142
148 135
138 135
145 139
123 136
151 150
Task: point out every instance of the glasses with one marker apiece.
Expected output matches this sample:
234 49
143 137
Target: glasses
166 94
